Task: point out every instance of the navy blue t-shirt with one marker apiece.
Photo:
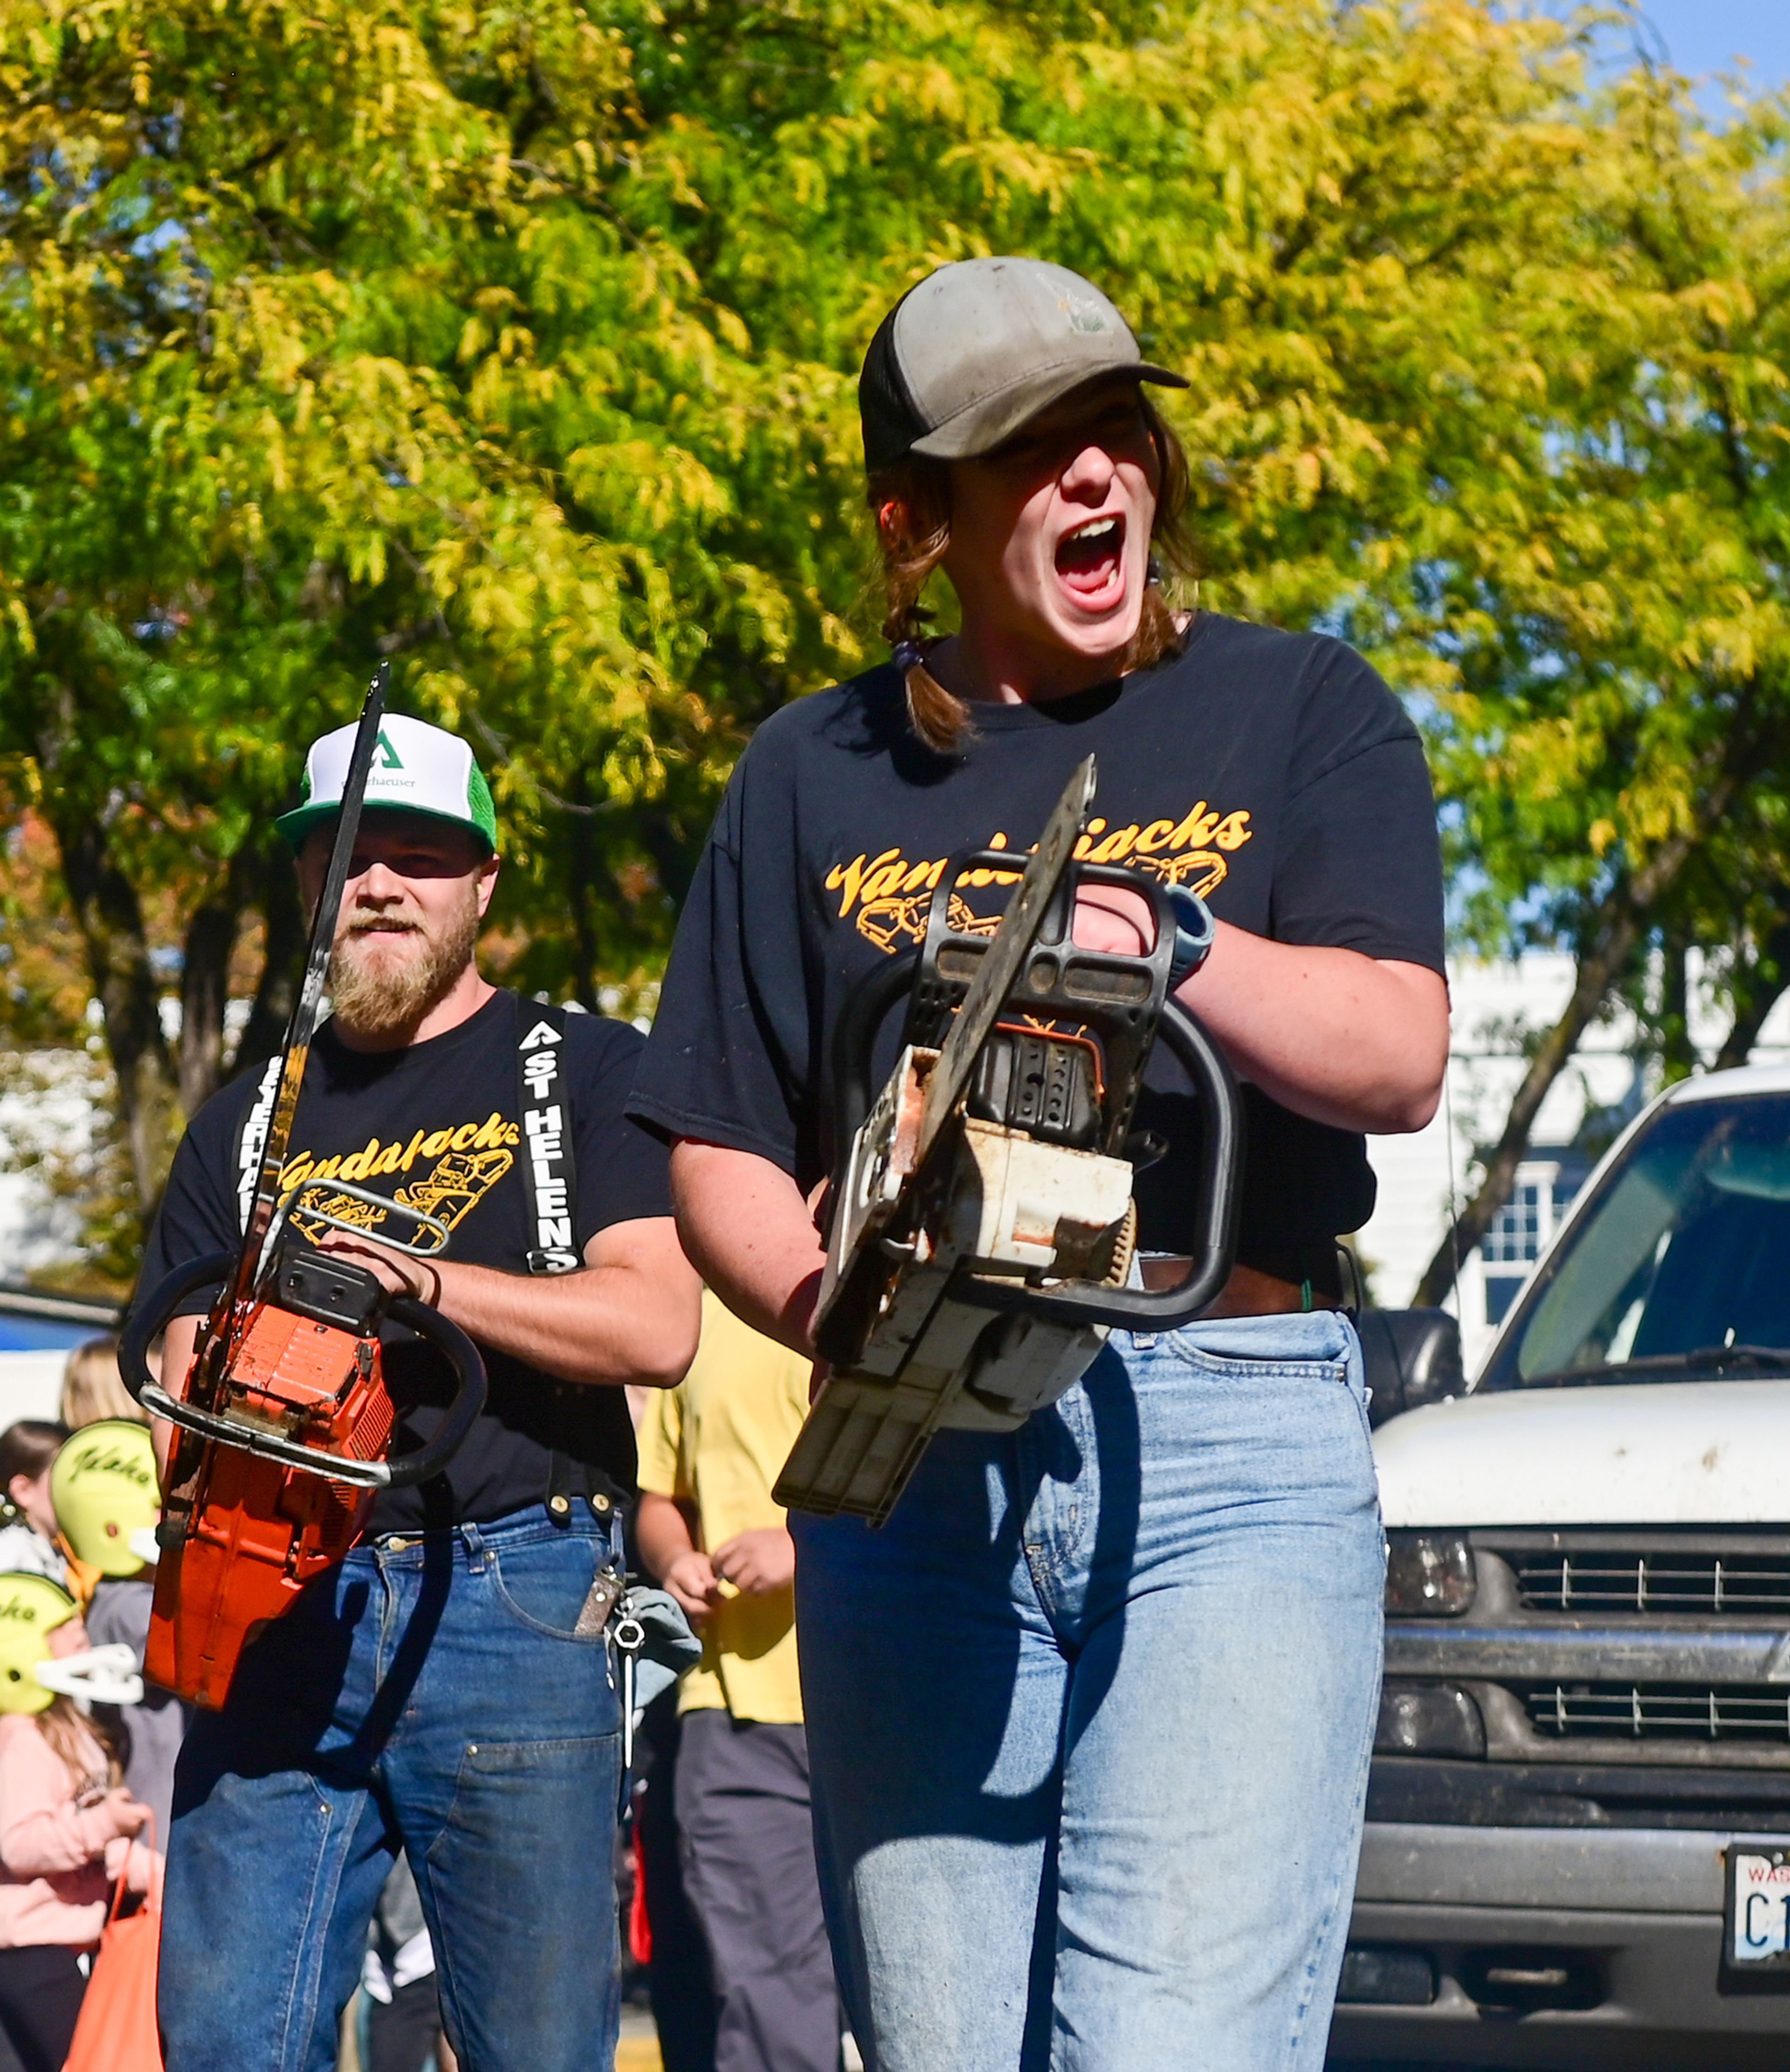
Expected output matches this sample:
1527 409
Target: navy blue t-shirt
1272 773
436 1125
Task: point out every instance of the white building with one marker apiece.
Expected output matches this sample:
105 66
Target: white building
1495 1007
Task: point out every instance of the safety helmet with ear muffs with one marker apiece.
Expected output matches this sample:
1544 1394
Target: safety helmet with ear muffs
107 1499
31 1608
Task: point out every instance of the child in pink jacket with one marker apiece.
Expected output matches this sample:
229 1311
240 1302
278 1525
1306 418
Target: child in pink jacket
67 1826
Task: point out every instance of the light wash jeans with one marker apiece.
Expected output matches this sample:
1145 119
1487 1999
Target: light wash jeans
432 1693
1090 1718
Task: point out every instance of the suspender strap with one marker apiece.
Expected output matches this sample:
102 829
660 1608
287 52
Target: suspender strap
548 1170
550 1177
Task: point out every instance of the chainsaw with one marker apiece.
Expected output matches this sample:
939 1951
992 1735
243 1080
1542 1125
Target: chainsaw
983 1228
285 1423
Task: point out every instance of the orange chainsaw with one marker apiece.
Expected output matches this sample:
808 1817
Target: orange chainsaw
285 1424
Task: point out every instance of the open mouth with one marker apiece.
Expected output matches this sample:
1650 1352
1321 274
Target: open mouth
1090 560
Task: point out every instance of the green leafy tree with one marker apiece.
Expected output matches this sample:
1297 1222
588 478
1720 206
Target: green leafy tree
519 344
1618 743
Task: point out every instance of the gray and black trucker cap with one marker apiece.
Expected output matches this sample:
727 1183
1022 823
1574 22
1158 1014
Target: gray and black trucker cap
965 357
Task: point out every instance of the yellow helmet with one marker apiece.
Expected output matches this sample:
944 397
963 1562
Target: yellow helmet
103 1484
32 1607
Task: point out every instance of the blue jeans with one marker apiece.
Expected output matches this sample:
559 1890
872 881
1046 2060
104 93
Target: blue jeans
1090 1718
428 1694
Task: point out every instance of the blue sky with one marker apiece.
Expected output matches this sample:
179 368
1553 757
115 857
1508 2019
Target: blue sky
1704 36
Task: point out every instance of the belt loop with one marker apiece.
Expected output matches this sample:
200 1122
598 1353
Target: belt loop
477 1553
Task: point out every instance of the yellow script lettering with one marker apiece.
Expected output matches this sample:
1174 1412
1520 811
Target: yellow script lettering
359 1164
1196 830
1117 846
849 878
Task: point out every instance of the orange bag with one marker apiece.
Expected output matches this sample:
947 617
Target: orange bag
118 2031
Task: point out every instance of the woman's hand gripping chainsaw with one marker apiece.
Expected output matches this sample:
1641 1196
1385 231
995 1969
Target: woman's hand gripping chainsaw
983 1224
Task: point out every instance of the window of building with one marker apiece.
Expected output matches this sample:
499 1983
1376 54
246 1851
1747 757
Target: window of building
1520 1232
1515 1237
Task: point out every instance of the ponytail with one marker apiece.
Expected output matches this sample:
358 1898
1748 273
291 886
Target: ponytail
922 488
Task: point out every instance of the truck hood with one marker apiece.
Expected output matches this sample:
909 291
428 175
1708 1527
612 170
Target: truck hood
1685 1453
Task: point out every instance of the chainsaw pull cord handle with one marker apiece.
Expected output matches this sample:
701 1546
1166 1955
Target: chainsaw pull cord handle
148 1318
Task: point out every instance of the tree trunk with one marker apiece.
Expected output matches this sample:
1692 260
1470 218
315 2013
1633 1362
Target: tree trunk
110 919
583 864
283 958
1756 995
1678 1057
1596 974
1613 933
204 995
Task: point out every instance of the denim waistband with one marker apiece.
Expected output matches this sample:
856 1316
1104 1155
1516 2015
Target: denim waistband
470 1541
1290 1336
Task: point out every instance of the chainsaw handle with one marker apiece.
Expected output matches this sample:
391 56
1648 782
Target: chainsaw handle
148 1319
460 1353
1221 1165
854 1047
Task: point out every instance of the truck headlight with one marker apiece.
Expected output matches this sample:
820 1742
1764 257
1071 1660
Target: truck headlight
1429 1719
1428 1575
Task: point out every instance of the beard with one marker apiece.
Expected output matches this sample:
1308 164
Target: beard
384 977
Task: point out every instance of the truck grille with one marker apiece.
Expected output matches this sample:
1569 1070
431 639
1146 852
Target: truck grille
1635 1711
1726 1585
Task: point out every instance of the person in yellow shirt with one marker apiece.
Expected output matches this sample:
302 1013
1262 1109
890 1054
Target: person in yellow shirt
708 1531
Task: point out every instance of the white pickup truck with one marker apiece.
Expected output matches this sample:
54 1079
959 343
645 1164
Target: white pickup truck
1577 1850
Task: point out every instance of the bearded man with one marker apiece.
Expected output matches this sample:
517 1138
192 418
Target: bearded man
446 1690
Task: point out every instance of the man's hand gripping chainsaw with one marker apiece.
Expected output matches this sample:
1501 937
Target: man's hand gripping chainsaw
285 1421
983 1225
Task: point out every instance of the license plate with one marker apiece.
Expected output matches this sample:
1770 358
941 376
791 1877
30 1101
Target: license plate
1757 1929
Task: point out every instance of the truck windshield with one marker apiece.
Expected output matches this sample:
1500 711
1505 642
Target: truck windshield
1679 1268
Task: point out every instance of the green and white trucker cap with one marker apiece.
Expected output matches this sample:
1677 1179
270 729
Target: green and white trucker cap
979 346
417 767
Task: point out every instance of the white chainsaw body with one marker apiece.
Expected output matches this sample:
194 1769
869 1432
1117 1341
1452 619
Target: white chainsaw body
1001 1205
